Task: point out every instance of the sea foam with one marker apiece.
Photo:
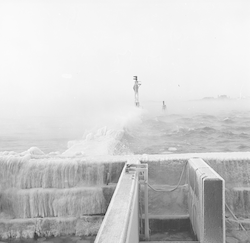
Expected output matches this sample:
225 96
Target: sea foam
106 140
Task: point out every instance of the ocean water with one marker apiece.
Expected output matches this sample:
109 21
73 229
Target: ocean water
188 133
215 126
188 127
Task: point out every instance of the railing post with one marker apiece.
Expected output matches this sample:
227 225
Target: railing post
142 173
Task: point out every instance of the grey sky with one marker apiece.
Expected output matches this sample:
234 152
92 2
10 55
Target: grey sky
80 51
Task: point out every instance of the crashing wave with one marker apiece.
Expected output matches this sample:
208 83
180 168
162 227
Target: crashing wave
102 142
107 140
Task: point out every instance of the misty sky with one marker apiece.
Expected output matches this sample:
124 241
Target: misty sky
84 50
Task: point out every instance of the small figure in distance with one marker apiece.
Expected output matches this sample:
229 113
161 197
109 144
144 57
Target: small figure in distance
136 89
163 106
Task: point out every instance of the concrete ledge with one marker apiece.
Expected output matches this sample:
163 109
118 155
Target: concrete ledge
238 199
71 202
47 227
167 217
169 241
57 172
116 223
165 225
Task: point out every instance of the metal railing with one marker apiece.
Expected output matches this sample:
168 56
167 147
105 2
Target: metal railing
206 202
121 222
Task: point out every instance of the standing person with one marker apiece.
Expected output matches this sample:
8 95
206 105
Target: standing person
163 105
136 89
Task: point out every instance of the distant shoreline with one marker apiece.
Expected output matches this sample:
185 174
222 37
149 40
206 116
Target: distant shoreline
221 98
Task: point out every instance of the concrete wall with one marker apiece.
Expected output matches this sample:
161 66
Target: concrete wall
55 196
18 176
206 201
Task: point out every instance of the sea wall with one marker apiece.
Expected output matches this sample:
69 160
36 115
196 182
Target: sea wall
236 173
46 195
51 196
21 173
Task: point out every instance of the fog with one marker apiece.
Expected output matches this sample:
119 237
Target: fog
66 58
212 107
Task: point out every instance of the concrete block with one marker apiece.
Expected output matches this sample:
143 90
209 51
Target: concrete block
206 202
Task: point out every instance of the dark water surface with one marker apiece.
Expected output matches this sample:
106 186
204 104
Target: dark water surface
207 127
188 133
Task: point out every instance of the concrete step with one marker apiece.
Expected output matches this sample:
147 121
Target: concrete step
51 202
167 228
167 216
56 172
47 227
165 223
237 199
169 242
232 224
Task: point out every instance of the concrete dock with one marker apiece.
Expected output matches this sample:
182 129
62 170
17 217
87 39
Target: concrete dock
71 196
